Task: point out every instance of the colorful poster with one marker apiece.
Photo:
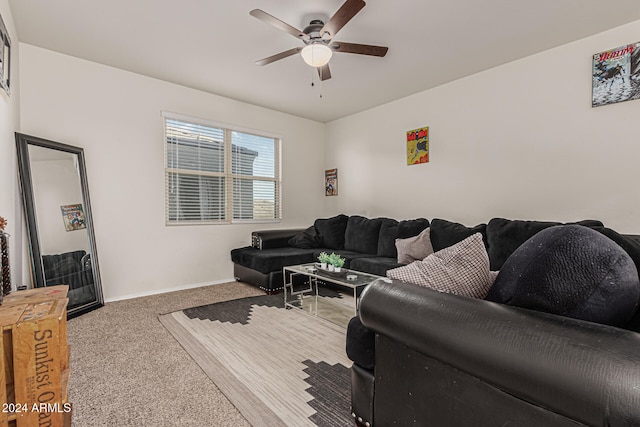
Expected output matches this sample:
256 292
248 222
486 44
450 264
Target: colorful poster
418 146
616 75
331 182
73 217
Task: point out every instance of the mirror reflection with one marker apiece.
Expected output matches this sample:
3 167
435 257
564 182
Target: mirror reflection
64 243
59 223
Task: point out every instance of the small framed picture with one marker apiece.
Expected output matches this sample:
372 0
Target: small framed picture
331 182
73 217
418 146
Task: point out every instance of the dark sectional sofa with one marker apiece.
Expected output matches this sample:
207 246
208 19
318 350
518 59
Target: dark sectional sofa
367 245
423 357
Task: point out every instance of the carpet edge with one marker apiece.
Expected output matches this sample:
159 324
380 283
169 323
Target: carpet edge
249 406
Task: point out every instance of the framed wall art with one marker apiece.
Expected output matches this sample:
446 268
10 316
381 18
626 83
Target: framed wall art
5 57
418 146
73 217
331 182
616 75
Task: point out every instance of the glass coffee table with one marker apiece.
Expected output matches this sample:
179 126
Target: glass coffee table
304 289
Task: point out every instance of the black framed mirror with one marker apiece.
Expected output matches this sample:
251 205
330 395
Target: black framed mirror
59 221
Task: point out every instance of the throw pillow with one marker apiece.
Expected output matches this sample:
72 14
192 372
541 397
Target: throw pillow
387 238
446 233
414 248
461 269
631 245
572 271
332 230
361 234
307 239
411 227
390 230
505 236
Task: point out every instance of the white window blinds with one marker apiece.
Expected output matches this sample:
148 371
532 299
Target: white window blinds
219 175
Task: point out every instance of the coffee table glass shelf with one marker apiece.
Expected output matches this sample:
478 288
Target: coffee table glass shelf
303 289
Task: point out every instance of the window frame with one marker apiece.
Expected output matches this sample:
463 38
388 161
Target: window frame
227 173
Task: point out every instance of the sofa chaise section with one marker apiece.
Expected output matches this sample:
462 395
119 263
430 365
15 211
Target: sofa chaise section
263 267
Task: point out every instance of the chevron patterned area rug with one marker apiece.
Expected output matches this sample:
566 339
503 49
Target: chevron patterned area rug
279 367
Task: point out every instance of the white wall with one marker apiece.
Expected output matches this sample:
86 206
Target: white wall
10 204
56 183
519 141
116 117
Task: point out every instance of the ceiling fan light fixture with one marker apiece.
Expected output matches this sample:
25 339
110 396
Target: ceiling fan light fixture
316 54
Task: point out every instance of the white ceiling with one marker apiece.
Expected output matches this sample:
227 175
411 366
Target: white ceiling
211 45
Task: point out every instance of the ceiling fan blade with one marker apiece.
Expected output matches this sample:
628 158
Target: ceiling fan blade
347 11
281 25
324 72
278 56
361 49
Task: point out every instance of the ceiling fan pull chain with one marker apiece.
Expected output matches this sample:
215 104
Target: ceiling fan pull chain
320 83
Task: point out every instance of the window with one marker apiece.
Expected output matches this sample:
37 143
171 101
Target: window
215 174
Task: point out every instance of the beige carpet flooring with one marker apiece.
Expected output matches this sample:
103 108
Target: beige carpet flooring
127 369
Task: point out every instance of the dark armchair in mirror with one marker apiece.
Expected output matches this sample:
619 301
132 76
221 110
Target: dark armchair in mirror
73 269
59 221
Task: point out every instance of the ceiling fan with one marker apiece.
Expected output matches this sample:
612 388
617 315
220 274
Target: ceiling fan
318 38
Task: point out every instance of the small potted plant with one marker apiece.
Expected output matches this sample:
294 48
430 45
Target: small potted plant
324 260
335 262
330 260
338 262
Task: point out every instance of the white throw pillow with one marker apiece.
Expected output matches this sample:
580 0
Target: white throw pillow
414 248
461 269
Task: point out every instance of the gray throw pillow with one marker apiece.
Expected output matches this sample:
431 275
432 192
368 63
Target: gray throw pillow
414 248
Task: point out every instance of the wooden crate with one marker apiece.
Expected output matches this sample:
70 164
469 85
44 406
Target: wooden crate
35 360
36 295
9 316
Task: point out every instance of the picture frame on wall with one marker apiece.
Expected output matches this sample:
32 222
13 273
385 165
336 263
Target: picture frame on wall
5 58
616 75
331 182
418 146
73 217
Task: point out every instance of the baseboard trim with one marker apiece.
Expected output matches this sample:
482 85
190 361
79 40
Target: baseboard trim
164 291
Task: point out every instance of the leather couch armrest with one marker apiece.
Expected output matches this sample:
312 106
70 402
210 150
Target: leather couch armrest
582 370
268 239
